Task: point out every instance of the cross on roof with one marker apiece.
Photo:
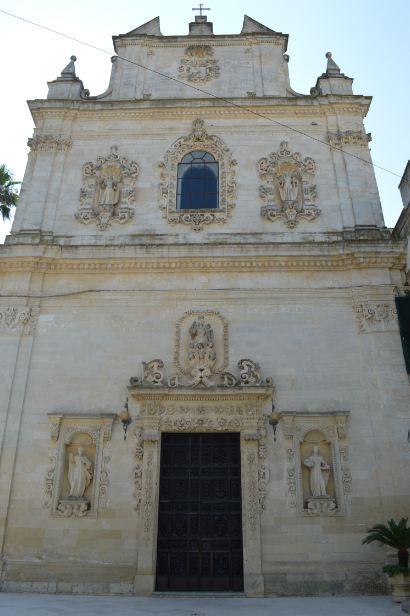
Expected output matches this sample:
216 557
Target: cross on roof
201 8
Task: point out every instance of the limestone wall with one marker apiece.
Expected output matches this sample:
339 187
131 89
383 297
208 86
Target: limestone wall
92 333
346 189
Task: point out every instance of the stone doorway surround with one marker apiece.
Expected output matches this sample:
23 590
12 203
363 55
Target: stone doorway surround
240 408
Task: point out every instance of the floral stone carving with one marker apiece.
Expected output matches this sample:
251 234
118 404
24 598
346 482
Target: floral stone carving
198 64
348 137
198 139
108 190
375 316
14 318
287 188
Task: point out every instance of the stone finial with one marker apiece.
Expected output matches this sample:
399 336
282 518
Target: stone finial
68 72
332 69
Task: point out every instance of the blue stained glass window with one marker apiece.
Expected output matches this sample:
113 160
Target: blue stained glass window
197 182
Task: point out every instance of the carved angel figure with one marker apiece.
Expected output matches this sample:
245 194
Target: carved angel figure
319 472
80 473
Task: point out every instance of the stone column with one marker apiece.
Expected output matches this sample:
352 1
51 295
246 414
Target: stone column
252 558
144 583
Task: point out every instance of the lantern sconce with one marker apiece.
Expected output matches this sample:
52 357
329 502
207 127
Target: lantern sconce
125 418
273 419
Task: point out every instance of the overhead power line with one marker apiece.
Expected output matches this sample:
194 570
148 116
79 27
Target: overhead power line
202 91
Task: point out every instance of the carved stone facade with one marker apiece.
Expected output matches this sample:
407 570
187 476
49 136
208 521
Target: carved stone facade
49 143
17 319
349 137
199 64
317 446
376 316
108 190
78 476
198 139
202 306
287 188
216 409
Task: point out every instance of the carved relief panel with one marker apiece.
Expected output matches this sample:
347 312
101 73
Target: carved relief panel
287 187
108 190
376 316
198 64
78 474
318 473
18 319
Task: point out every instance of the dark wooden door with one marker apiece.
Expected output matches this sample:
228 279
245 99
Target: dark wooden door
200 513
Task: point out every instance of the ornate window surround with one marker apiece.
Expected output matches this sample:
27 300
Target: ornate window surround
198 139
333 427
242 409
63 427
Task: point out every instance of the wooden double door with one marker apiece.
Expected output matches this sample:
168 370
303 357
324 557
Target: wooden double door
199 544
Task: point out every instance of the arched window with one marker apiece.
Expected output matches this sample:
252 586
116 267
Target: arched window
197 182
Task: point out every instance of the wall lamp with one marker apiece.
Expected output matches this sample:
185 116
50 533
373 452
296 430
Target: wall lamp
125 418
273 419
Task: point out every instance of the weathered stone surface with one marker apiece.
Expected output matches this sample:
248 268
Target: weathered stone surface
310 304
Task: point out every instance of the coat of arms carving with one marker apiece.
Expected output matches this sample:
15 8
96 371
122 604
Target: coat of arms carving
198 64
287 188
108 190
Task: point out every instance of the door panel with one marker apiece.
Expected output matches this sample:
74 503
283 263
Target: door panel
200 513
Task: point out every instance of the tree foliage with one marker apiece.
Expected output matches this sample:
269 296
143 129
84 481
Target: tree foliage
395 535
8 195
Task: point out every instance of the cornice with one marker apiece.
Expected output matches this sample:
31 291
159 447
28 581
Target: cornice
199 107
215 40
236 264
211 394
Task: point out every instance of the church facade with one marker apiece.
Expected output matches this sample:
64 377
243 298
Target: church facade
203 382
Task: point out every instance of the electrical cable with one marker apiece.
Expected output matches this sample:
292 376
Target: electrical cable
206 92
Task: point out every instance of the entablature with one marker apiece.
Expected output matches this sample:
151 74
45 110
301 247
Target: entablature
203 107
245 257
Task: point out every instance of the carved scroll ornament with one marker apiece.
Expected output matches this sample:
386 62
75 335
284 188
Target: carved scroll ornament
376 316
17 318
287 188
108 190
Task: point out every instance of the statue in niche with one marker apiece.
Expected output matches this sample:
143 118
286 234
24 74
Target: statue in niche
319 473
109 192
80 473
288 185
201 353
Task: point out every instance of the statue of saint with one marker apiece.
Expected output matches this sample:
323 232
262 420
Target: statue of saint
109 192
80 473
201 352
288 187
318 475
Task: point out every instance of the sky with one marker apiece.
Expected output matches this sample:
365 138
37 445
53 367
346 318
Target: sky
369 40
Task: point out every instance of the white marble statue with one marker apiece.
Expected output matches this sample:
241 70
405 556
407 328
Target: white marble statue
80 473
319 475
